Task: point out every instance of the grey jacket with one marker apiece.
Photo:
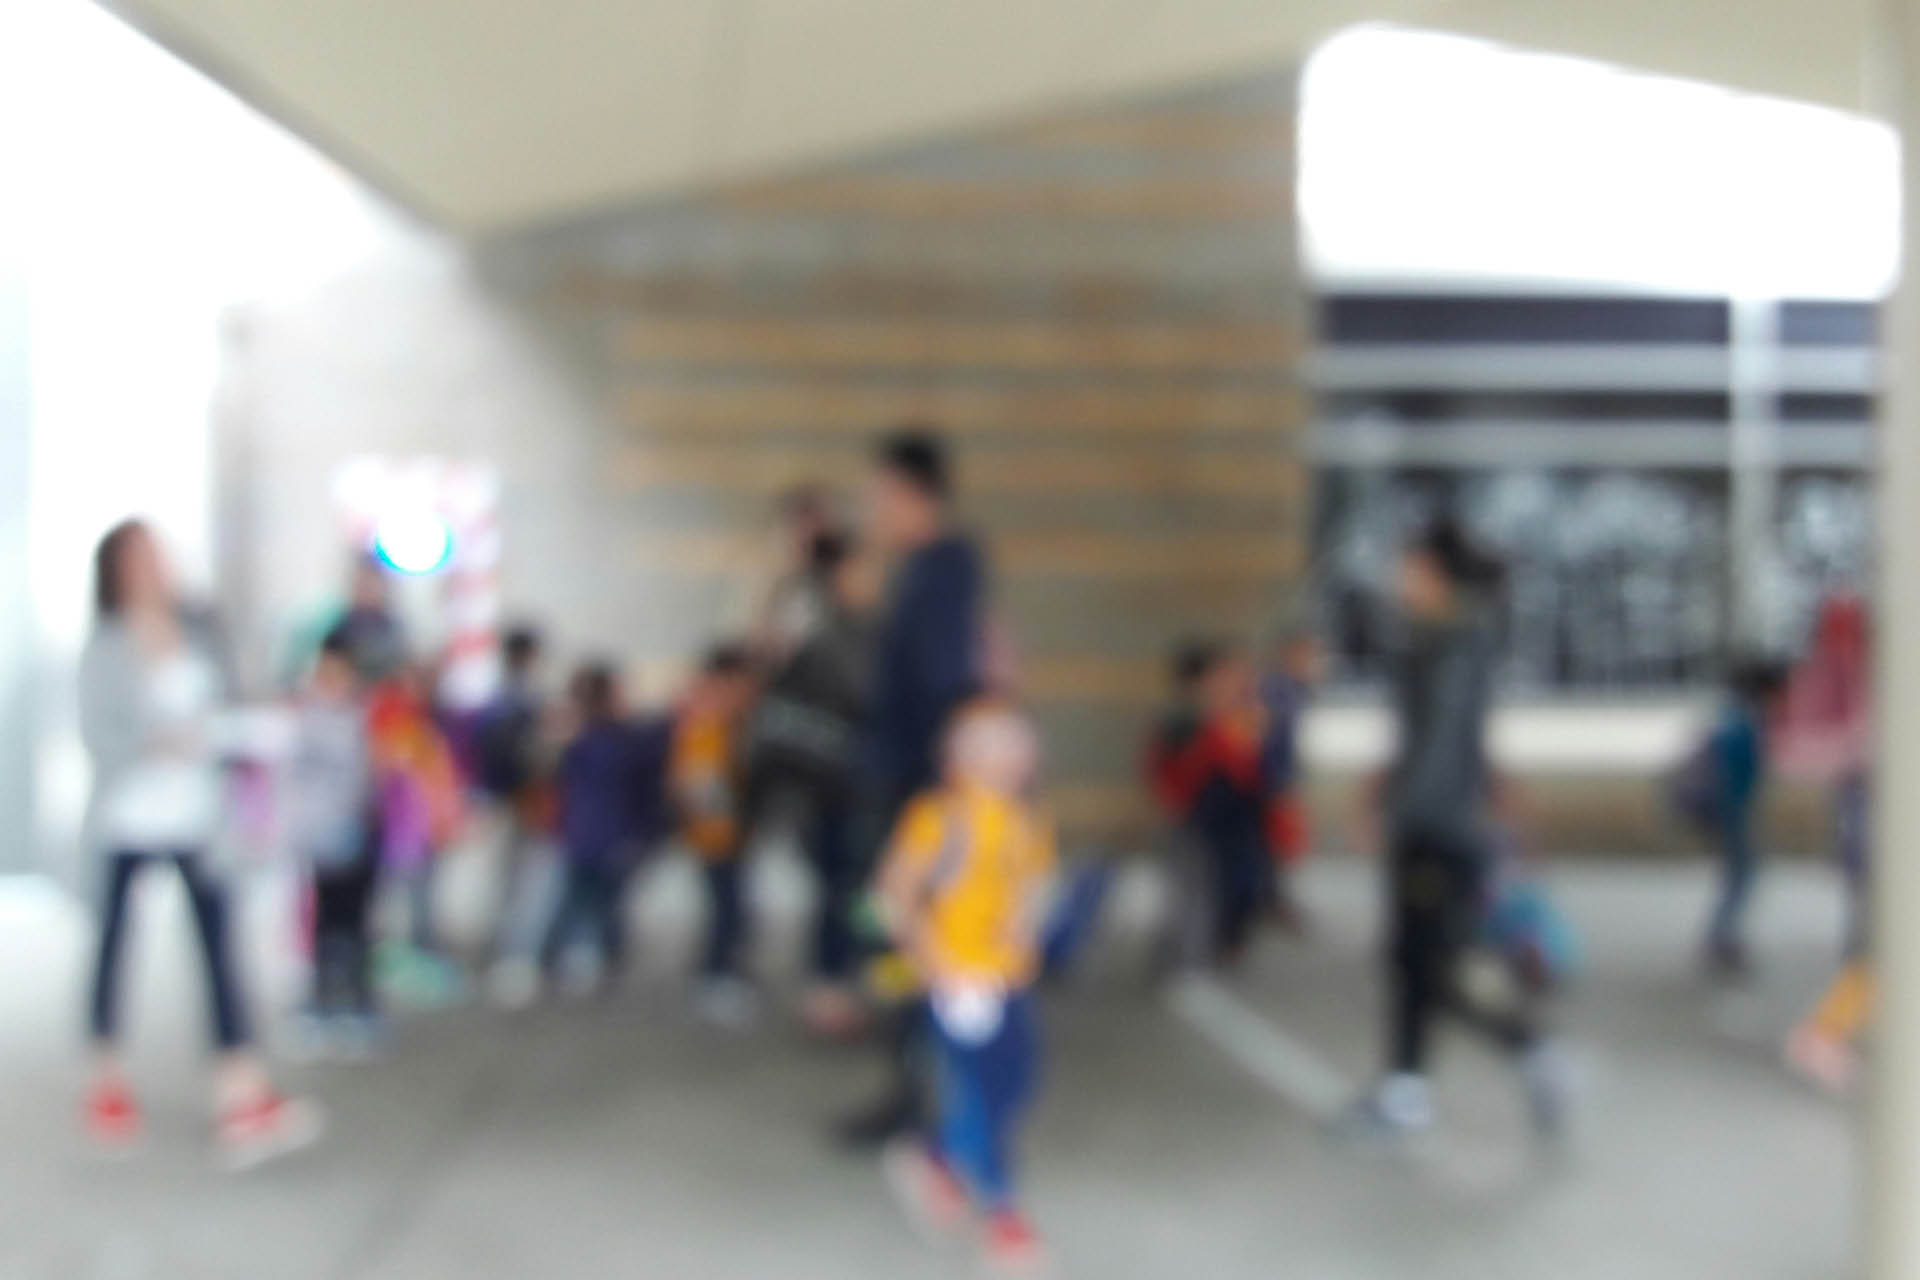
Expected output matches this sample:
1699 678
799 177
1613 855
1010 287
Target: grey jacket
113 715
330 792
1437 787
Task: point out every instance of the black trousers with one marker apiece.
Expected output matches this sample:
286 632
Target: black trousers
1236 859
902 1105
342 936
1436 905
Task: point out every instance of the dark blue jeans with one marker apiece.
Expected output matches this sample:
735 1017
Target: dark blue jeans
593 899
209 900
1739 863
727 929
342 936
983 1089
1238 862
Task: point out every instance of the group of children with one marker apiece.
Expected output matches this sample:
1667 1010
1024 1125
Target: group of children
958 888
1811 722
377 789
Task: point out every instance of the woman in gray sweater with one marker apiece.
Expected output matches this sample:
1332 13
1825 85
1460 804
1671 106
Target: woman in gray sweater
1437 849
150 686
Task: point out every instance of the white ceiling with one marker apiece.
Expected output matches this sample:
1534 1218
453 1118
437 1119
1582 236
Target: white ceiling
489 115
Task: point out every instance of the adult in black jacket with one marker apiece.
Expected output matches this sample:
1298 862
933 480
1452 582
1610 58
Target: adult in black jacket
927 663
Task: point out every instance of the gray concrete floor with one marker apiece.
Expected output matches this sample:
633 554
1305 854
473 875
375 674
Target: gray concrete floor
624 1139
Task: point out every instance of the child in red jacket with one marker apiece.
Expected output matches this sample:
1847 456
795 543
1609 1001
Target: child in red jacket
1207 765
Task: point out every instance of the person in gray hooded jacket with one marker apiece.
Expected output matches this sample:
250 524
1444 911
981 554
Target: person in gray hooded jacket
1435 798
150 686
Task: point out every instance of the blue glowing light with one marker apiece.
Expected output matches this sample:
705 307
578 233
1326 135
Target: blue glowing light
413 542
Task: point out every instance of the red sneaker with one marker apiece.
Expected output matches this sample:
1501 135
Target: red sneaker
252 1133
1822 1060
1012 1246
112 1117
933 1198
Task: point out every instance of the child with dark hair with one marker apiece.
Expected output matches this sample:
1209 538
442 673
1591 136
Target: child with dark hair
335 832
610 809
514 758
705 783
1728 773
1208 767
422 811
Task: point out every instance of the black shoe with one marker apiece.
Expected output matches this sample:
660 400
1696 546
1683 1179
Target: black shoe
1728 961
874 1127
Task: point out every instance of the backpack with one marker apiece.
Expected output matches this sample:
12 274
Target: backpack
806 729
504 748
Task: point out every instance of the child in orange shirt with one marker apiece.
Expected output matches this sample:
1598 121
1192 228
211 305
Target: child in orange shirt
961 885
704 781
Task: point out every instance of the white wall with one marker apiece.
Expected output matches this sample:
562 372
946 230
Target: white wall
148 203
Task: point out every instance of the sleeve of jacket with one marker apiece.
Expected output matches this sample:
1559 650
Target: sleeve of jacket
947 629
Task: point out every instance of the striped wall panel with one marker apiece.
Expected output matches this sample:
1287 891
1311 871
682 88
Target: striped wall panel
657 407
1104 312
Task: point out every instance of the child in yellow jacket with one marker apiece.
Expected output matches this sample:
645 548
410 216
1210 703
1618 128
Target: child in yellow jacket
703 778
961 886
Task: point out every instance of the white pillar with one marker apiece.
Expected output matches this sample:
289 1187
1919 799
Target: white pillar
1753 385
1894 1187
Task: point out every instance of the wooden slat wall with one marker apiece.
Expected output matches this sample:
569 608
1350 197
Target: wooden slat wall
1103 310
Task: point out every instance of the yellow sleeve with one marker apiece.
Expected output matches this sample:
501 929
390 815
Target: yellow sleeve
915 842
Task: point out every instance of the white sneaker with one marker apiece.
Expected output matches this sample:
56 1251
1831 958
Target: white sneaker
1400 1106
1548 1075
728 1002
